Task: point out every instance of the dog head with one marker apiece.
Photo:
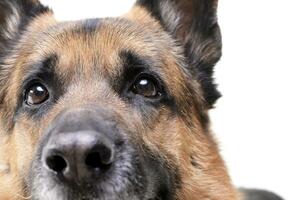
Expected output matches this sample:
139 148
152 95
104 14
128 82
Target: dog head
112 108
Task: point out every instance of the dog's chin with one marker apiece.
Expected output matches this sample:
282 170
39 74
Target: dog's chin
137 188
119 187
98 192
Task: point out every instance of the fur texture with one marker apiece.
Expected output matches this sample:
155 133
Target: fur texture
93 65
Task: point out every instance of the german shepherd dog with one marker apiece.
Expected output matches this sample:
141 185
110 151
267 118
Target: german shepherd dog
111 109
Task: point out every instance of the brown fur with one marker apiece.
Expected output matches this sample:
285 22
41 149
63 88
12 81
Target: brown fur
191 149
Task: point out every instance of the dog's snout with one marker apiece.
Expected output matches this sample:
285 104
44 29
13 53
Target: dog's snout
79 156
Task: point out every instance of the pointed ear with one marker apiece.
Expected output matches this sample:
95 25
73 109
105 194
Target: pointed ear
14 17
193 23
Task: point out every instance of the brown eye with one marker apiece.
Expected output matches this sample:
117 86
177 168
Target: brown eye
146 87
36 94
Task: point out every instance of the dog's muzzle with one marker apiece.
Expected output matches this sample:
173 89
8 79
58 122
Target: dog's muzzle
86 154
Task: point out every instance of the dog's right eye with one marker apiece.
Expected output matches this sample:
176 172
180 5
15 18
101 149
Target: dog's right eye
36 94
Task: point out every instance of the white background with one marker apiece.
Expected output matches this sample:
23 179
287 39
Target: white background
257 119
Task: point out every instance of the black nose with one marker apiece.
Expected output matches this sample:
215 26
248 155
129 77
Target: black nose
79 157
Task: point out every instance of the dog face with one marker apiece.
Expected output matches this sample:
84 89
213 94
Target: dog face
111 108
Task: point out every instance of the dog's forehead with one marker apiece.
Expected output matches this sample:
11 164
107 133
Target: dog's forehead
100 44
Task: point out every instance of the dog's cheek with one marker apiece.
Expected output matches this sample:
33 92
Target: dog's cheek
17 150
163 137
189 148
23 142
10 185
171 136
170 139
10 189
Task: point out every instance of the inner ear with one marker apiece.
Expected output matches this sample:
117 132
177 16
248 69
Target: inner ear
193 23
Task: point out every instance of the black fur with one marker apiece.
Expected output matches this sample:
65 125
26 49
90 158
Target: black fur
194 25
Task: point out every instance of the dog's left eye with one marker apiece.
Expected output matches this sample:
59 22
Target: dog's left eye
36 94
146 86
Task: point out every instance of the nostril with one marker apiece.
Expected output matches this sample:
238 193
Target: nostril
56 163
93 160
100 159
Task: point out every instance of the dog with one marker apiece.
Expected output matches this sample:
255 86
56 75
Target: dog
114 108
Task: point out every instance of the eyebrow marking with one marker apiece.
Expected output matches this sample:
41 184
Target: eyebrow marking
45 66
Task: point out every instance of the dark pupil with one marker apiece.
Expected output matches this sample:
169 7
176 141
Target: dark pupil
37 94
146 88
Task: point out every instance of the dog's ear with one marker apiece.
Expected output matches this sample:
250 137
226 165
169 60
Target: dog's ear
193 23
14 16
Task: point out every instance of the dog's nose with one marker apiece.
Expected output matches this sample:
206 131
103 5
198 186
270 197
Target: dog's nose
79 157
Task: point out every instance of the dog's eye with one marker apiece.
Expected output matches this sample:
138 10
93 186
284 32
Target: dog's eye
36 94
146 86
